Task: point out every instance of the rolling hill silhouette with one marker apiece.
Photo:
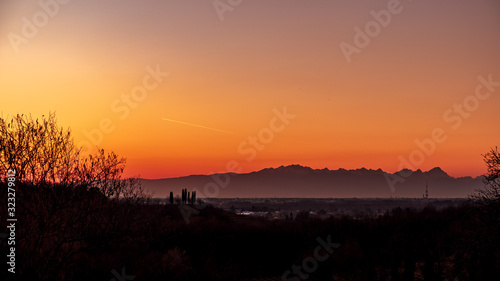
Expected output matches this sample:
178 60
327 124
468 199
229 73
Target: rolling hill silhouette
296 181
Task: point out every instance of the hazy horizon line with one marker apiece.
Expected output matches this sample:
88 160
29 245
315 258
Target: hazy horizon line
315 169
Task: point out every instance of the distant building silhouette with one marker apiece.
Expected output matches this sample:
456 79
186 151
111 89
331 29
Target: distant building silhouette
426 195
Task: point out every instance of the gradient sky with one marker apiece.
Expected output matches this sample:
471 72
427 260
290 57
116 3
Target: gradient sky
230 74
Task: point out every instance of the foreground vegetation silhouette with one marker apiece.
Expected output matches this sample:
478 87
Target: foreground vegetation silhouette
78 219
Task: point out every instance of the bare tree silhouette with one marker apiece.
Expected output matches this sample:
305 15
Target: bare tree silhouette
490 195
64 198
483 255
43 153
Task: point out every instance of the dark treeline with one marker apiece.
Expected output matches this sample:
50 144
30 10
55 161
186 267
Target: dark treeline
71 234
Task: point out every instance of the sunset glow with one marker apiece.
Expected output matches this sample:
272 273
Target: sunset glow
178 90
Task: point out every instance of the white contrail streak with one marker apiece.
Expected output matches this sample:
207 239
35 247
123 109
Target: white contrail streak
194 125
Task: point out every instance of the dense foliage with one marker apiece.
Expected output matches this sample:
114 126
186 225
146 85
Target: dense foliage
153 242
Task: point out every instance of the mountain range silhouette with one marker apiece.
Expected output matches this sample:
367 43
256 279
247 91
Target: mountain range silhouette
296 181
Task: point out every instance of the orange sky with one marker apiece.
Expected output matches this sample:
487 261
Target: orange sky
231 74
